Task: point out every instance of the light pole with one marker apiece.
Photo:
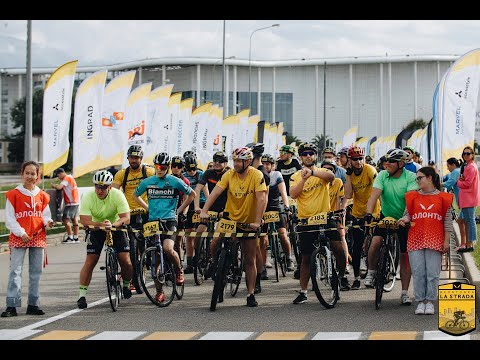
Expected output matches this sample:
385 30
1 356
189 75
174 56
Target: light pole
213 72
250 62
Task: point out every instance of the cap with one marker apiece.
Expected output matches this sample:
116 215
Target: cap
58 171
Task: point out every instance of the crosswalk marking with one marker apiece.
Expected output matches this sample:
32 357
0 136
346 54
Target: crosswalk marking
16 334
117 335
393 335
282 336
171 335
227 335
438 335
64 335
337 336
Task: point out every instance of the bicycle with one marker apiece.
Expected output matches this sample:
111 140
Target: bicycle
292 221
276 251
157 270
323 267
137 245
203 256
229 266
389 256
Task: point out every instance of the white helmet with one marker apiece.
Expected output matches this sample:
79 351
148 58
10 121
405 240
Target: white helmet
103 177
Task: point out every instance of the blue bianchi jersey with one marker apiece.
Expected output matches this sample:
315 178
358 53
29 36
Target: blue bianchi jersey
162 195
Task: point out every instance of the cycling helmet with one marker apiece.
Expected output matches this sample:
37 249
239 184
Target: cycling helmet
288 148
343 150
328 149
177 160
355 152
243 153
103 177
381 161
396 154
257 148
307 146
135 150
409 148
189 153
162 159
220 157
268 158
190 162
330 162
369 160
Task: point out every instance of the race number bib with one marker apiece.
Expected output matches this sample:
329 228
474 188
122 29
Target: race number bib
211 215
388 222
319 219
271 216
225 226
150 228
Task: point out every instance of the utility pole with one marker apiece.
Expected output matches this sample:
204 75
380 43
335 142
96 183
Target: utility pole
29 101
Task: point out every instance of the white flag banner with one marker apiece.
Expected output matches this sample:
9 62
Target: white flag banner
459 107
87 120
279 140
243 127
217 129
350 136
166 135
114 127
229 127
184 135
57 109
136 118
252 129
157 108
199 121
267 137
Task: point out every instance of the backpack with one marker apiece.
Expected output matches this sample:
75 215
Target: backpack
127 170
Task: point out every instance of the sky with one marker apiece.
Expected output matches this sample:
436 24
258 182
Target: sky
108 42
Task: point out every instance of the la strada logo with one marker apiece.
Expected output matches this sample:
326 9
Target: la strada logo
456 308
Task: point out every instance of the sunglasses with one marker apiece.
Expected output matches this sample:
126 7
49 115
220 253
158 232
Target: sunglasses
191 169
161 167
283 152
418 178
179 166
392 161
357 159
466 153
101 187
308 153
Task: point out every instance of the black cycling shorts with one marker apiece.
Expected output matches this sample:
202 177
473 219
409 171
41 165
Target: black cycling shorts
402 235
308 237
97 238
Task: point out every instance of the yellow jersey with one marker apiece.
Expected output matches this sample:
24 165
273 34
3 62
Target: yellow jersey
134 178
362 188
315 196
336 190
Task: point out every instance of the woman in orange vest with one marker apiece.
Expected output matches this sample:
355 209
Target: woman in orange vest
430 210
27 213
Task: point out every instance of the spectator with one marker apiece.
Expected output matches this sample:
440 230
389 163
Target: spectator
112 170
71 204
450 180
468 198
27 213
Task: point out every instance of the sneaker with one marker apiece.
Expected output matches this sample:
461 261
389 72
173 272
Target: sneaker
296 274
465 249
75 240
301 298
132 287
9 312
420 310
264 275
258 288
344 285
188 269
355 285
82 303
290 266
127 293
268 264
34 310
405 299
458 248
68 240
160 296
251 302
180 278
368 282
429 308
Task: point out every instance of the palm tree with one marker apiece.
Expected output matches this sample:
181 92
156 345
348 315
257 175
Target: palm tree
319 141
291 138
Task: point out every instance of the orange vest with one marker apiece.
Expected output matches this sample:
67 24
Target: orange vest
428 213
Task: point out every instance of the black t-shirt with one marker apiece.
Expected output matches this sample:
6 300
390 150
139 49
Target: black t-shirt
210 178
274 192
265 174
288 170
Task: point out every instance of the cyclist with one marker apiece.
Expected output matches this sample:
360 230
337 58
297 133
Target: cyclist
329 154
276 190
211 178
287 164
360 178
162 192
337 194
310 186
410 164
343 157
246 201
193 174
104 206
390 186
381 163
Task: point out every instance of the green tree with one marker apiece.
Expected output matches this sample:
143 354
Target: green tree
322 143
415 124
291 138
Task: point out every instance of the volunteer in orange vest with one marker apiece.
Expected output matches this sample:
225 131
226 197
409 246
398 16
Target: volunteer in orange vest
26 215
430 210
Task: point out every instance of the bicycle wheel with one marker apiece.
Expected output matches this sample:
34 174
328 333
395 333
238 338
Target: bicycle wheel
380 276
111 271
219 285
364 256
324 278
201 261
390 273
236 269
153 279
274 253
135 256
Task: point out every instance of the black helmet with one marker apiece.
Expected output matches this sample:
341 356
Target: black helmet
307 146
257 148
135 150
177 160
190 162
330 162
268 158
162 159
189 153
220 157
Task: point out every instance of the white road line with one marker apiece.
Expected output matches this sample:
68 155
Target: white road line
439 335
16 334
226 335
117 335
337 336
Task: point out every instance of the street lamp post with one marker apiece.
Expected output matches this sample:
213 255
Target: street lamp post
250 62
